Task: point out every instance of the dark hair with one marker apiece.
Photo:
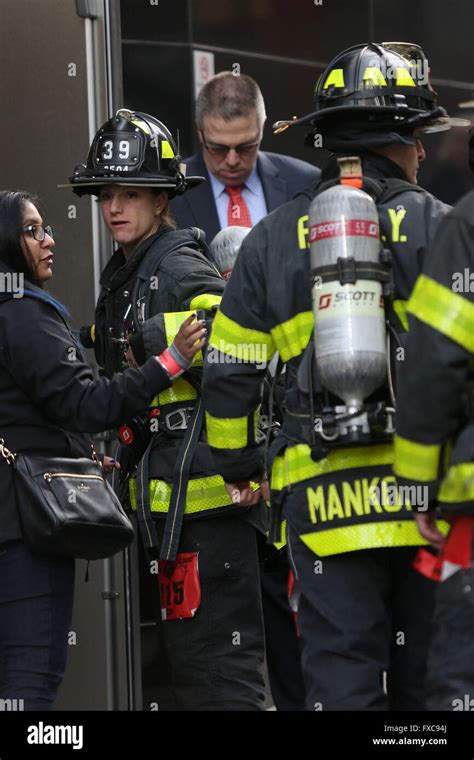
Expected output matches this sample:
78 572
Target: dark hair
227 96
12 206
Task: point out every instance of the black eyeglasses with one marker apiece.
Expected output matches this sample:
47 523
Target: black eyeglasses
222 150
39 231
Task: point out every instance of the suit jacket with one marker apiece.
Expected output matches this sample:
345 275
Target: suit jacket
281 178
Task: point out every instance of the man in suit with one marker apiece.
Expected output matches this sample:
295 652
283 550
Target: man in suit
244 184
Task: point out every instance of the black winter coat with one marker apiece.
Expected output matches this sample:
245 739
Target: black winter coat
48 396
436 402
183 280
182 276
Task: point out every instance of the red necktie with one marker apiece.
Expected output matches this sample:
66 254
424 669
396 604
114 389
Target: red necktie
238 214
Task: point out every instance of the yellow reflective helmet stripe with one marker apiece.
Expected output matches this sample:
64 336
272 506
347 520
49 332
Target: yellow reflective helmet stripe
367 536
292 337
374 75
404 78
234 340
400 309
166 150
335 78
445 311
416 461
173 321
229 432
296 465
205 301
458 485
142 125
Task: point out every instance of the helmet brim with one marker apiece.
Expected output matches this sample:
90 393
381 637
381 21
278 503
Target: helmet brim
91 185
438 124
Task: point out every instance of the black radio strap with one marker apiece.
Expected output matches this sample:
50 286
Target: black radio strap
177 505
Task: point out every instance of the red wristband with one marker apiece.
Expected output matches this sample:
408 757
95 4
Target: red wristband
170 365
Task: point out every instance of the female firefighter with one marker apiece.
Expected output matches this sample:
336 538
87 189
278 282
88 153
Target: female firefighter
183 508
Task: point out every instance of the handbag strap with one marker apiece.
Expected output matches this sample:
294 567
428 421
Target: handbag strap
10 456
94 454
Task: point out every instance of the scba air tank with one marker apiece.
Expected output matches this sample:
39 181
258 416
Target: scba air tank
349 319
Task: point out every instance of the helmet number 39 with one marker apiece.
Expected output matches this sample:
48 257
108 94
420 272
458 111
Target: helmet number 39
119 150
123 149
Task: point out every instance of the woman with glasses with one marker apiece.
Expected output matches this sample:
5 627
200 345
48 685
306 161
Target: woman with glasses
48 400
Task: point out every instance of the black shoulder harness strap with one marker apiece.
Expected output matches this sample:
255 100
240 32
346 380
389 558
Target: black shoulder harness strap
148 268
141 298
177 505
141 293
392 186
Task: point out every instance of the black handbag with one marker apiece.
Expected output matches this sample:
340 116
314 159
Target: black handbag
67 507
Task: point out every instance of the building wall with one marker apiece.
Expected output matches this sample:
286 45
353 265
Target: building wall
284 46
43 92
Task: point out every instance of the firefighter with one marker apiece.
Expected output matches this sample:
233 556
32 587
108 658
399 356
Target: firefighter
363 610
283 656
198 546
435 420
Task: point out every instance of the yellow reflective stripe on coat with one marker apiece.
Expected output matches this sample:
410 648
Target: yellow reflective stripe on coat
179 391
205 301
296 465
291 337
230 432
173 321
400 309
415 461
282 542
368 536
232 339
202 494
458 485
445 311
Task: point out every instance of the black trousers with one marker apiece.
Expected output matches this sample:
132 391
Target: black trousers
281 642
362 615
215 660
36 598
451 657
